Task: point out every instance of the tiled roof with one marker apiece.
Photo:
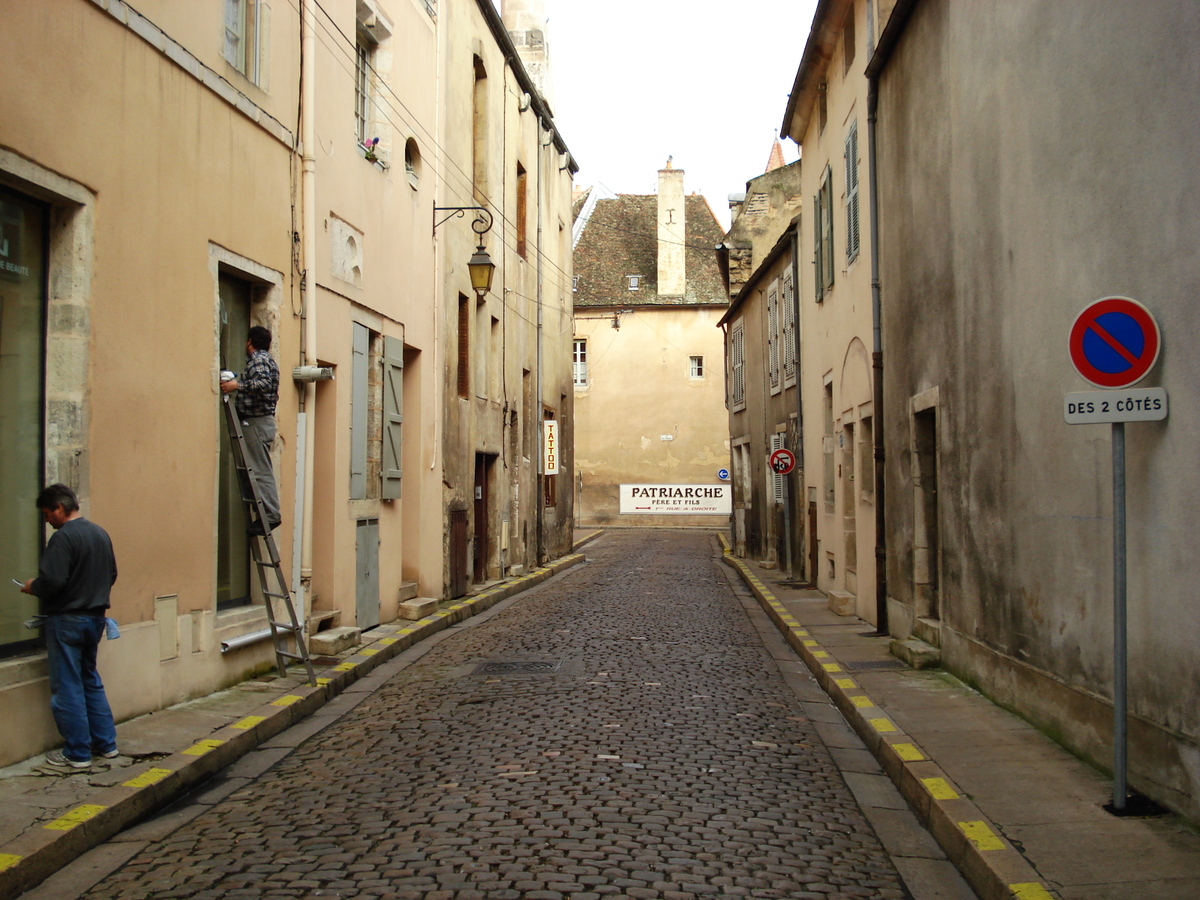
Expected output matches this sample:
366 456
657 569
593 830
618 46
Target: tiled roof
620 239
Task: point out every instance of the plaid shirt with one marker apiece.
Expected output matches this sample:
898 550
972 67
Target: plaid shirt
258 386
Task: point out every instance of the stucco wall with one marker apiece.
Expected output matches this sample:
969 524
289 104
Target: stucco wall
643 419
1035 156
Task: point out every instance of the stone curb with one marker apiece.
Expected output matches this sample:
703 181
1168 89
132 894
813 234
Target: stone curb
46 847
990 864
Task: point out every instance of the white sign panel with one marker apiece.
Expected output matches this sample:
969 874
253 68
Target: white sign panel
677 499
550 447
1130 405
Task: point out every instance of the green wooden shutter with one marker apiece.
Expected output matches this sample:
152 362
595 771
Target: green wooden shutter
393 416
359 391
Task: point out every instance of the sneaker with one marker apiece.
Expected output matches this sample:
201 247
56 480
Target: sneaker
111 754
55 758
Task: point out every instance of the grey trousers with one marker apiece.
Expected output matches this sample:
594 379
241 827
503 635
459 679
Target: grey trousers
259 432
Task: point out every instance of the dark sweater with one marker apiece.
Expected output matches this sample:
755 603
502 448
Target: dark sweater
77 569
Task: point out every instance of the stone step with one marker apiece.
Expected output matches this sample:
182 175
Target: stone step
928 630
842 602
408 590
334 640
916 652
418 608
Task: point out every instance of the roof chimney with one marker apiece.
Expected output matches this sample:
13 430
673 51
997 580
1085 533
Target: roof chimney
672 279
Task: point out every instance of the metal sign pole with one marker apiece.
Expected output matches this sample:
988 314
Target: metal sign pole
1120 720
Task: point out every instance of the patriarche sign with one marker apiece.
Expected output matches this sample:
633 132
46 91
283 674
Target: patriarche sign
1114 342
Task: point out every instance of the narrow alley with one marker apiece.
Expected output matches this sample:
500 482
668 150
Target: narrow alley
619 731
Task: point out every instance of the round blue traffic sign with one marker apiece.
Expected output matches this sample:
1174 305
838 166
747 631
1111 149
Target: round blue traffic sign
723 474
1114 342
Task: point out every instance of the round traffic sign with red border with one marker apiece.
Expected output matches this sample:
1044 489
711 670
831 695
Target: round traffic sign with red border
782 462
1114 342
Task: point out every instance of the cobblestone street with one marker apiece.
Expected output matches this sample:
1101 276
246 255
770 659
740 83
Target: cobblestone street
629 736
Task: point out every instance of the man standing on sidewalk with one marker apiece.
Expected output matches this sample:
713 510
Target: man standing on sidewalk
75 576
258 392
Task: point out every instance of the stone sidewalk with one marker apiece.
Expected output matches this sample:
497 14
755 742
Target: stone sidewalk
47 821
1017 814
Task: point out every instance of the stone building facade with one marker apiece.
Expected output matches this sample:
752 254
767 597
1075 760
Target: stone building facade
648 292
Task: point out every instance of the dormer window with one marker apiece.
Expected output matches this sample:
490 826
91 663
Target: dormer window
635 282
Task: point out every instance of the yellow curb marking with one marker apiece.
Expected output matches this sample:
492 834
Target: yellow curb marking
202 747
286 700
387 642
147 778
939 789
831 667
405 631
369 651
846 684
8 860
820 654
883 726
981 836
248 722
862 701
321 682
802 633
811 644
344 667
1031 890
908 752
77 816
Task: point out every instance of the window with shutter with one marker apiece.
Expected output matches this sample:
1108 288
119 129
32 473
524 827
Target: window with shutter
359 402
823 235
773 336
737 366
778 482
787 336
852 240
393 417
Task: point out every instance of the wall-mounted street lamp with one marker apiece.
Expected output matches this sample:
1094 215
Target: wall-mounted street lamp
480 264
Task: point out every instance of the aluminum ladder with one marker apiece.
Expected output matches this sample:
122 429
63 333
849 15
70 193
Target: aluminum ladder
265 557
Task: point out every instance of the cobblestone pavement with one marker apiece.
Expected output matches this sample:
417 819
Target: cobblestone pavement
647 748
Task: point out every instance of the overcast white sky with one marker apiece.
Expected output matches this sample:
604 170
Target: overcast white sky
706 82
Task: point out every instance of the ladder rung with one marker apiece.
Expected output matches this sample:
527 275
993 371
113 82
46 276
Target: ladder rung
285 626
289 655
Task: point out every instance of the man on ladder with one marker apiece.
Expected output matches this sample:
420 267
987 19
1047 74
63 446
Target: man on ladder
258 392
251 421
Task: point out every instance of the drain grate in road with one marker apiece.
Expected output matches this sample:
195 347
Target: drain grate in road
860 665
521 667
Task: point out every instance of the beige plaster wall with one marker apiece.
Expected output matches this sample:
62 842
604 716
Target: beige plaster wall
639 392
836 333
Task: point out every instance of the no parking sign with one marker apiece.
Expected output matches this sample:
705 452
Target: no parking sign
1113 344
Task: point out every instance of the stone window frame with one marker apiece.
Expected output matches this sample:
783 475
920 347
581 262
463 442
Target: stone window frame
69 273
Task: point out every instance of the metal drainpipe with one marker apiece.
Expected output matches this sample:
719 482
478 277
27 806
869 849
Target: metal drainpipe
302 528
800 505
881 611
540 500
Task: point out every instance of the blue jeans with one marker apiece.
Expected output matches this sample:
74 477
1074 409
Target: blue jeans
77 697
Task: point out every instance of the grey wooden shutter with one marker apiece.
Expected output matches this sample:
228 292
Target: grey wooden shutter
358 412
393 416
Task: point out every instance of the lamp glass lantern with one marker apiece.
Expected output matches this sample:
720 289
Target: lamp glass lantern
481 268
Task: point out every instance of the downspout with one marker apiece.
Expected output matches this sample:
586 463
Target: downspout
881 610
799 504
302 538
540 500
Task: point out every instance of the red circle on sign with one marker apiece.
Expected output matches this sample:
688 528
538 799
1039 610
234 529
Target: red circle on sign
782 462
1114 342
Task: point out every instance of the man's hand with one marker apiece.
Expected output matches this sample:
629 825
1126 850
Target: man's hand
26 588
227 386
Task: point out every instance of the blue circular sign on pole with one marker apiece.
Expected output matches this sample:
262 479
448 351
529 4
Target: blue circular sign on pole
723 474
1114 342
